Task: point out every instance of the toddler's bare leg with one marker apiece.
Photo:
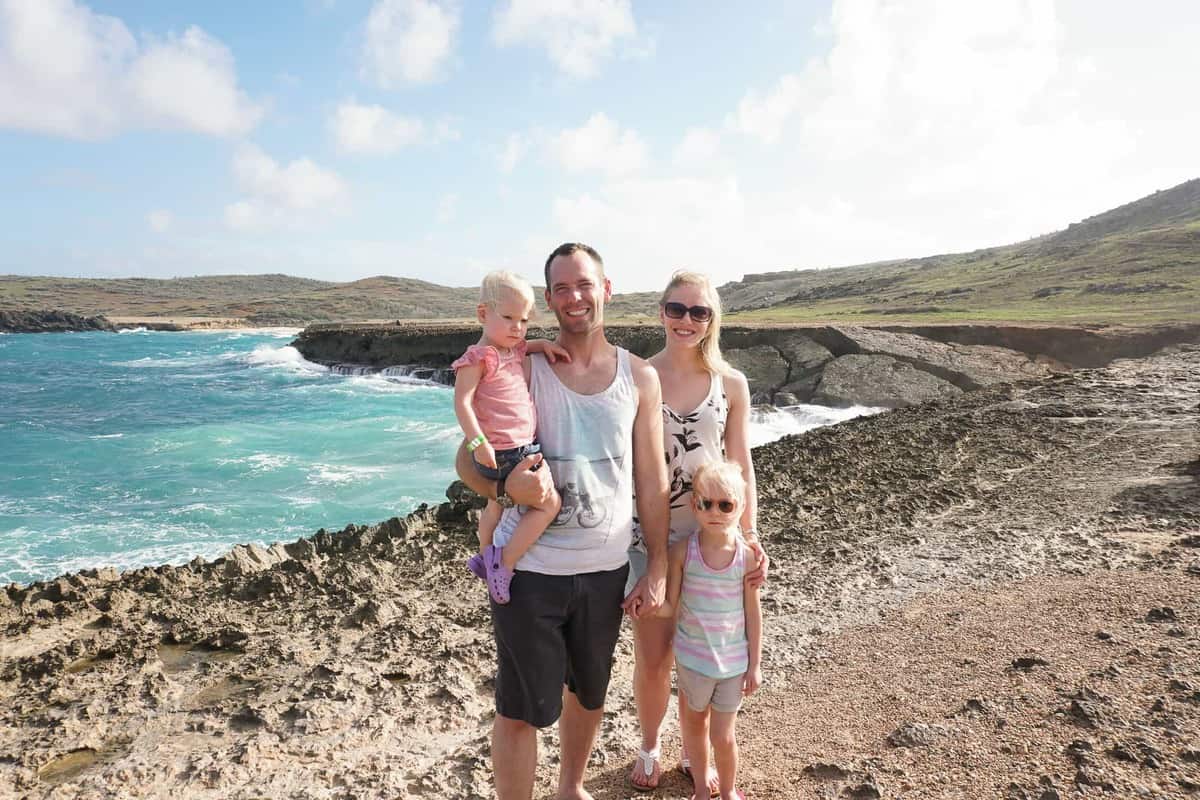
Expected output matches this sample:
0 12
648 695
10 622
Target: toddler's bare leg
489 518
725 750
533 523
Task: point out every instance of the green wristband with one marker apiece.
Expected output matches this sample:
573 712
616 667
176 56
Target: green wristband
478 440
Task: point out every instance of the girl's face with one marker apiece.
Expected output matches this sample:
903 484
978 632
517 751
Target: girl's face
685 331
715 507
504 325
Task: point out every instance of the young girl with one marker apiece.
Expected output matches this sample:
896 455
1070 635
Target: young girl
497 416
718 635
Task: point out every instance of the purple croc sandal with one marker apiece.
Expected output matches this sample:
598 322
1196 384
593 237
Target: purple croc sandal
498 576
478 568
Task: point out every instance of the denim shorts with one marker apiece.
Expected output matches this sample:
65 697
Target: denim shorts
506 460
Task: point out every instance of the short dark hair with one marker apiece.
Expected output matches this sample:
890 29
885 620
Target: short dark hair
570 248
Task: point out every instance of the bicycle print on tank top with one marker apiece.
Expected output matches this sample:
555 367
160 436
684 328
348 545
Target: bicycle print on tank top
586 488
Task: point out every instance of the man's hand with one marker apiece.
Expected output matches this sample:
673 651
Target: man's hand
529 485
757 576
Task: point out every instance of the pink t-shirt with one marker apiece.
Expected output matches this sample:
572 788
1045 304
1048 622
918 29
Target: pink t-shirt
502 403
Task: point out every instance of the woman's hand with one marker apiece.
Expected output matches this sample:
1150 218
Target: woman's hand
758 576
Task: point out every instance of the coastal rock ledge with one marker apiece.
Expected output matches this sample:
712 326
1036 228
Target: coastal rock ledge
992 595
836 365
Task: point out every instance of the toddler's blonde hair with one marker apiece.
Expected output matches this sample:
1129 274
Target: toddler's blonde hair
710 345
725 475
495 283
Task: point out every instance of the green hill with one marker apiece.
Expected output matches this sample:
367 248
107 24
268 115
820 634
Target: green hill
1136 263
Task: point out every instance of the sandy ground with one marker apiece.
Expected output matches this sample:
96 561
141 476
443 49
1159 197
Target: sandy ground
994 596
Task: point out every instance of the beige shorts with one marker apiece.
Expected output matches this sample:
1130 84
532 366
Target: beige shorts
723 694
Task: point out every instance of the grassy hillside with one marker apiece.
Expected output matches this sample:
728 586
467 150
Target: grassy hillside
260 299
1136 263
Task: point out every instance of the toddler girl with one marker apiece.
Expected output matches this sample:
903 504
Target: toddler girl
718 635
497 416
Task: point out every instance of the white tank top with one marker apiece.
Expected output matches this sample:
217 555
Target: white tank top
587 441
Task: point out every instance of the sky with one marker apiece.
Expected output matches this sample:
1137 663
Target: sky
440 139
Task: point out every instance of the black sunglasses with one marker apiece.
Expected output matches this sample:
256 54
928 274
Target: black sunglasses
677 310
726 506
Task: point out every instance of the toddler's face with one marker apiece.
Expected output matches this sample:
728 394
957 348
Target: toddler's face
506 323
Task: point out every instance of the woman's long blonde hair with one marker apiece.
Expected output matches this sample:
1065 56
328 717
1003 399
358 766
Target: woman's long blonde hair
710 345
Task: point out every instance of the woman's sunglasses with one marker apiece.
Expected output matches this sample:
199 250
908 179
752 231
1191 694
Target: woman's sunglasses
677 310
725 506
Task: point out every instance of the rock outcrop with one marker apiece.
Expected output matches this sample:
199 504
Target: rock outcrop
788 364
51 322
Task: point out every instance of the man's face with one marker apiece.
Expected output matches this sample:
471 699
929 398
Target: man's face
577 292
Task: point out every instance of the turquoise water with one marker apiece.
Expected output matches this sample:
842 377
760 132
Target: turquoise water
145 448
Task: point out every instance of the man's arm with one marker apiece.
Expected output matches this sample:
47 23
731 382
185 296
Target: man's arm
527 484
650 484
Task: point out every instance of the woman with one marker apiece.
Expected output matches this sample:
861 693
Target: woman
706 417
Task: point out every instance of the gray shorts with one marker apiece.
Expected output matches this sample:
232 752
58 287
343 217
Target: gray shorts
723 694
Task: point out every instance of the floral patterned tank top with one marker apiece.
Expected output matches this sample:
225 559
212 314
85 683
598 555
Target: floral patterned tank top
690 440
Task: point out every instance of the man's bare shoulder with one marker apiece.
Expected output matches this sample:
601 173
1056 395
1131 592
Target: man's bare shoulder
645 378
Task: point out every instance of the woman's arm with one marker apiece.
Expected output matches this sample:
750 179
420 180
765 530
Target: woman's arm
675 559
753 677
466 381
737 450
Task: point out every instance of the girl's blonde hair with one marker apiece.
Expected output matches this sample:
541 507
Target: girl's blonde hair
491 290
710 345
725 475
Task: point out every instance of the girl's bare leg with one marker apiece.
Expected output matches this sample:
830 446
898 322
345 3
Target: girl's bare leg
489 518
533 523
725 751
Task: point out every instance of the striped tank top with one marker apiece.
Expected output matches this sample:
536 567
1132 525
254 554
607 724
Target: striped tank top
710 635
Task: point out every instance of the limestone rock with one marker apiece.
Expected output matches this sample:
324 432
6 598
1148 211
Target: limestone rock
878 381
764 368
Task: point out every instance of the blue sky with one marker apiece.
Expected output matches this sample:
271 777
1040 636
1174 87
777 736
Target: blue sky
437 139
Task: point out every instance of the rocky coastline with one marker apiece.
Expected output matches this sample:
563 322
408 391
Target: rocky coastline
993 594
833 365
51 322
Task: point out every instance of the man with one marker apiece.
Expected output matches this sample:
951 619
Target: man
600 427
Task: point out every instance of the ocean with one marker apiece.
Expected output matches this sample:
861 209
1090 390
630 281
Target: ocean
143 448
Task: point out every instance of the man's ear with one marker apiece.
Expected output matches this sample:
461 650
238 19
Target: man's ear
607 290
481 313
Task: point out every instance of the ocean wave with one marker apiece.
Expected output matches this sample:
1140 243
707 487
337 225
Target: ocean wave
768 425
139 329
286 357
339 474
108 436
260 462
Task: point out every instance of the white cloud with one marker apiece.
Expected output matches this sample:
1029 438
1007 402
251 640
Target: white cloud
600 144
282 196
373 129
159 220
408 41
576 34
763 115
698 147
67 71
514 150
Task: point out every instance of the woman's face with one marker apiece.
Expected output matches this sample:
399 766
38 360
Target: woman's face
686 331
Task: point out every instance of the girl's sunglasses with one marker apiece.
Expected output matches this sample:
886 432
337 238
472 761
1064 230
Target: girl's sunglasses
677 310
725 506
